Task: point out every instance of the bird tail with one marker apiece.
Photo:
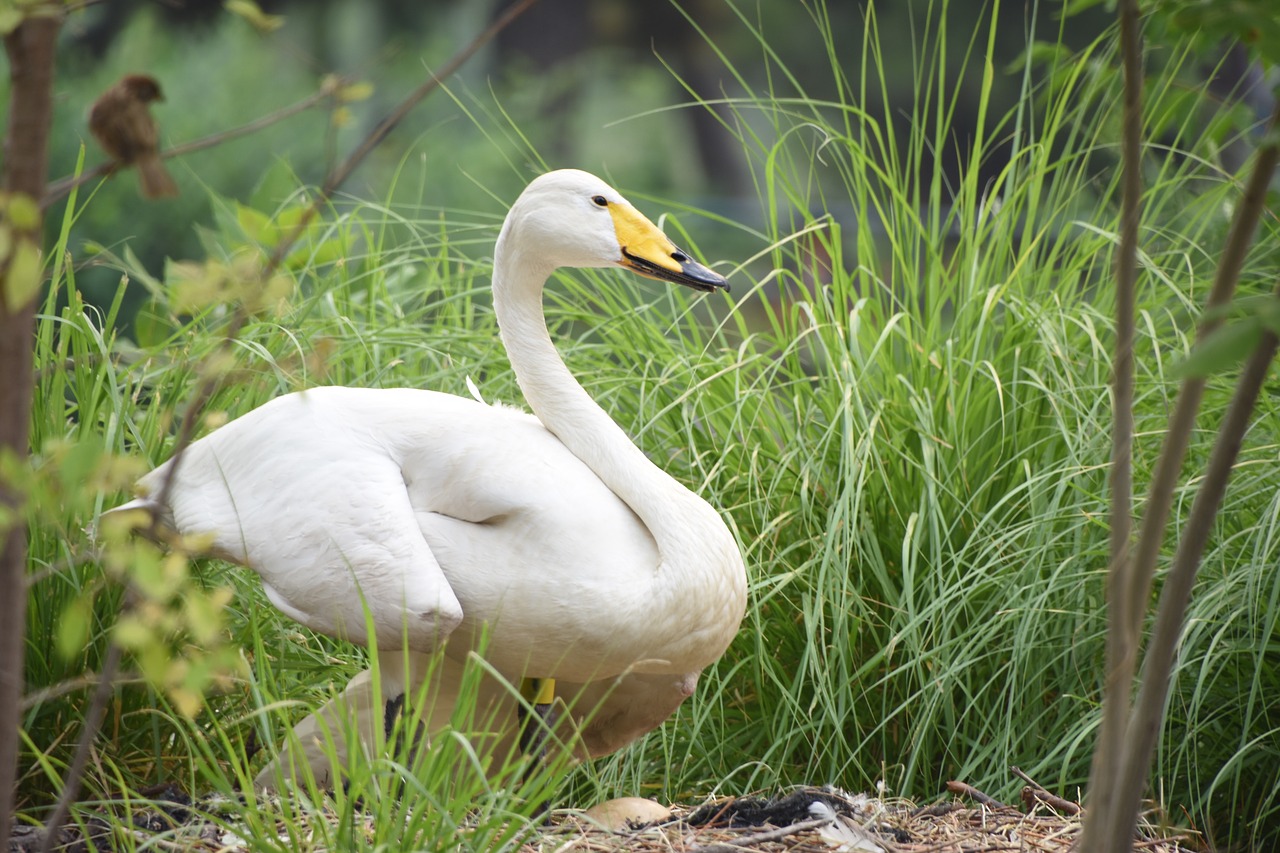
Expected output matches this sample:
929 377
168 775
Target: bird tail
120 513
155 178
137 503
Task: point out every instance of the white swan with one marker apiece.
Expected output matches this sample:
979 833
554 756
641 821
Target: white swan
445 517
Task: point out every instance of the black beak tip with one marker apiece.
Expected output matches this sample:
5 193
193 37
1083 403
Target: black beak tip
699 277
692 274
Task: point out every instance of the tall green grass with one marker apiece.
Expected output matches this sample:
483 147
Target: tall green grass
902 411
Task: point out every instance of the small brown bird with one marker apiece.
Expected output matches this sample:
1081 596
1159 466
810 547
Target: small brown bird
121 122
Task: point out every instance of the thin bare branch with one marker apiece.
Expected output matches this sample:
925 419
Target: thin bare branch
1244 224
75 685
1160 497
63 186
1122 633
207 386
1148 713
75 772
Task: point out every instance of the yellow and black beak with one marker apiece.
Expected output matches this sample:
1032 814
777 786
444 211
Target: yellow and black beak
647 251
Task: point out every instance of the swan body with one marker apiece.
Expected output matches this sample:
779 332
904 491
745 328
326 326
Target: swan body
445 519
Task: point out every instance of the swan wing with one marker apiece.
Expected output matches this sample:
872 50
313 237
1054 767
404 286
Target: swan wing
298 491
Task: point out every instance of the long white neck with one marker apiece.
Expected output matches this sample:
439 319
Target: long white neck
566 409
697 594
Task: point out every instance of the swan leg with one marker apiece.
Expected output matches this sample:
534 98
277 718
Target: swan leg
539 720
390 711
326 740
537 717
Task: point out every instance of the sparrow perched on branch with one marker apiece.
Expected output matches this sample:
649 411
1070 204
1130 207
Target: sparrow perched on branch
121 122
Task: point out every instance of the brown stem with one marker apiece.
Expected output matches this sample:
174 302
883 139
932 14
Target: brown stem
1148 714
75 771
1122 635
1160 495
30 51
1129 592
1164 484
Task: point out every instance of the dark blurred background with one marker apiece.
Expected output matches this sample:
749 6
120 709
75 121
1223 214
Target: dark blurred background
604 85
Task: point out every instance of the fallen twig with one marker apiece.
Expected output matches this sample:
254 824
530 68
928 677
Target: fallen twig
936 809
1025 777
761 837
1034 793
966 790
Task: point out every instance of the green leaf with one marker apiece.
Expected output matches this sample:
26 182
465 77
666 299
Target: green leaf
1225 347
1075 7
72 632
162 579
257 226
251 12
355 92
203 612
10 18
132 633
151 328
1040 54
22 279
76 464
1267 312
22 210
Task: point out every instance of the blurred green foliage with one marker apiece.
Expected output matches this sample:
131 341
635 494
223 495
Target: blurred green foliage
904 417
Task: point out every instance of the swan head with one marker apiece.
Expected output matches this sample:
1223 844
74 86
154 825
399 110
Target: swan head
570 218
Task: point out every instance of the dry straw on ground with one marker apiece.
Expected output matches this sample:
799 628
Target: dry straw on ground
894 826
857 824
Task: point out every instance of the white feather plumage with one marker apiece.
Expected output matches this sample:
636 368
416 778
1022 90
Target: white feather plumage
446 517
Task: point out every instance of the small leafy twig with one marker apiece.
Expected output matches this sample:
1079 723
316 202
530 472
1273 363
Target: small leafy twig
210 383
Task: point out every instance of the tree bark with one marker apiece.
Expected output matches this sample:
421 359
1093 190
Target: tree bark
30 50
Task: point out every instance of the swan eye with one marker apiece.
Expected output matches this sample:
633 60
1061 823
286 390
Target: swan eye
679 257
600 201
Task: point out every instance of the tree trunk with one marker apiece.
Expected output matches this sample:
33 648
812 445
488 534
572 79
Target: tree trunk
30 49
